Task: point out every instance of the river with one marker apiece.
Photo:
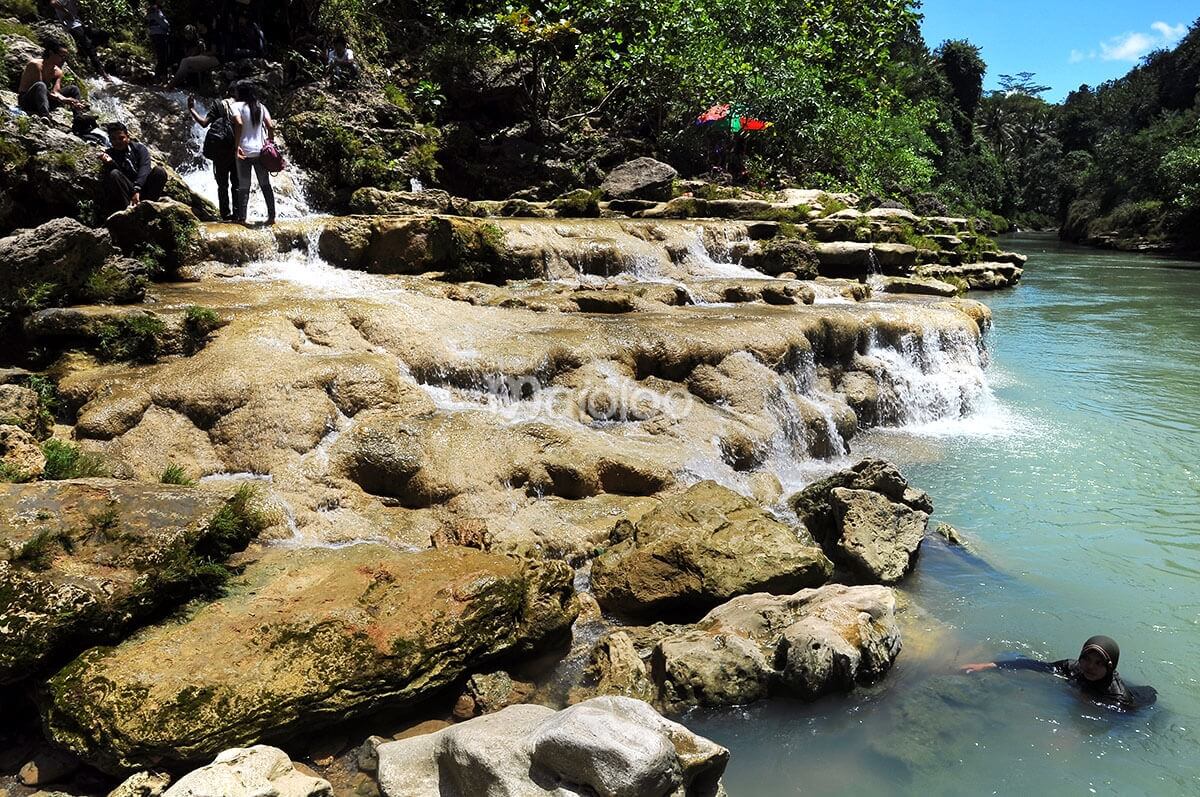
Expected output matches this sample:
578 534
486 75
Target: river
1079 489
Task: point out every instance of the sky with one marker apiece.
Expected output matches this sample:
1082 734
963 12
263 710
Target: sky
1066 43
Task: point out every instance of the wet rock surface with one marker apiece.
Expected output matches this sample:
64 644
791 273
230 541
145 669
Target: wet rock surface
867 518
698 549
86 560
306 638
809 644
611 746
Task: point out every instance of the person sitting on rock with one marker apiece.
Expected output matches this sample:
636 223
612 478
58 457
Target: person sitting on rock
129 172
199 59
41 85
67 12
340 61
1094 672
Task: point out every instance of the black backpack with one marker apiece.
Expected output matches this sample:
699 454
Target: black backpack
218 141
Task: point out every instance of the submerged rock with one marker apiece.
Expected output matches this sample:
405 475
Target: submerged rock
250 772
809 644
701 548
611 746
86 560
306 638
867 518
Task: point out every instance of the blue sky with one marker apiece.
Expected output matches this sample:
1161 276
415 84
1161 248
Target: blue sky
1065 43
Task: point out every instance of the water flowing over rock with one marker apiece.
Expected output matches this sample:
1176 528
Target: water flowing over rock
610 746
250 772
699 549
87 560
867 518
643 178
306 638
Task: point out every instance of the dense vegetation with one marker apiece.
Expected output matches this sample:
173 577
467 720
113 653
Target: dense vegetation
495 97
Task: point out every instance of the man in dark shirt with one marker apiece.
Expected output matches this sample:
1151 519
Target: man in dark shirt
129 174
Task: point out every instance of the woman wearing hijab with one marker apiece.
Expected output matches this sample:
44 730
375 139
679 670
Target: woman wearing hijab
1094 672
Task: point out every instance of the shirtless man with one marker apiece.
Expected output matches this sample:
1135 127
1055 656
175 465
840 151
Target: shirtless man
41 82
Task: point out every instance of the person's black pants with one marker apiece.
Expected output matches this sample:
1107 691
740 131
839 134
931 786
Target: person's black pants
162 54
36 100
117 189
227 186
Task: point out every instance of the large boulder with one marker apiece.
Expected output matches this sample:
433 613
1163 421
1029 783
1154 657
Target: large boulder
250 772
642 178
63 261
304 638
460 248
374 201
87 560
867 518
22 407
699 549
166 231
784 254
810 644
609 746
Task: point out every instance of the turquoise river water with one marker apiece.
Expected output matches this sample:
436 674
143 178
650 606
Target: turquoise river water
1079 488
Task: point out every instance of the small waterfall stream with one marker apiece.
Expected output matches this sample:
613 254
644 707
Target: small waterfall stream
112 101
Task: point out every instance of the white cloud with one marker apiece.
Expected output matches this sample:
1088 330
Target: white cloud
1170 34
1133 46
1129 47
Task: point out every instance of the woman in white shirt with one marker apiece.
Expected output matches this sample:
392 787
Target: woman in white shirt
252 128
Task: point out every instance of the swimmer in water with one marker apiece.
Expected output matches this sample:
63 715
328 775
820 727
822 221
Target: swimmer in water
1094 672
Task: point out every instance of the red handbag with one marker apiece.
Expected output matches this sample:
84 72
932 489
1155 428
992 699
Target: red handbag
271 158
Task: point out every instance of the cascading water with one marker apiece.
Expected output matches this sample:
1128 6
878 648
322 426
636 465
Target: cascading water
934 382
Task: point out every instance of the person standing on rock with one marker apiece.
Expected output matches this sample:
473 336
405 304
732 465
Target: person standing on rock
41 85
158 28
129 173
252 128
67 12
220 147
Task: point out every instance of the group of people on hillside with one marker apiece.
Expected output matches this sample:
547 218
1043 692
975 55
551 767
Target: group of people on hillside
240 126
130 175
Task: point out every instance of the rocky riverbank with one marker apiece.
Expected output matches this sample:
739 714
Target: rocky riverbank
542 468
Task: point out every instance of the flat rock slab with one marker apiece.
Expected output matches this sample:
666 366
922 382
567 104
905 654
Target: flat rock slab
86 559
612 746
304 639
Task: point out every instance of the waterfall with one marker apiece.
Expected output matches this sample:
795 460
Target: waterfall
185 154
933 382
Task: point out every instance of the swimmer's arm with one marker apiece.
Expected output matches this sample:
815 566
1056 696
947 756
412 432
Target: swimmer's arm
1019 663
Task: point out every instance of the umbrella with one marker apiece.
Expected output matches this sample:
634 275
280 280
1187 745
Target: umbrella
726 115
